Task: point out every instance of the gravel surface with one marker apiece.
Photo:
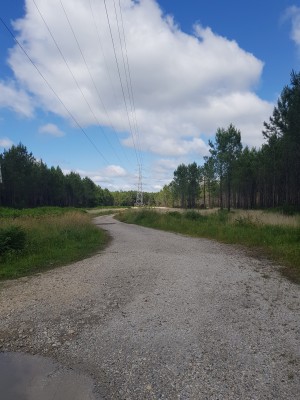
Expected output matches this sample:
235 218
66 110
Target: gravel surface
162 316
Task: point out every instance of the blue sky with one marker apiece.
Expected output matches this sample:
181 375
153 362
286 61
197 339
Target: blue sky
194 66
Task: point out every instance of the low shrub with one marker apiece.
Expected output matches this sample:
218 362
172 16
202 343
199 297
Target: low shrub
174 214
194 216
12 238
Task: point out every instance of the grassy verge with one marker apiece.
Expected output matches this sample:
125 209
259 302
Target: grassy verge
53 237
99 211
279 243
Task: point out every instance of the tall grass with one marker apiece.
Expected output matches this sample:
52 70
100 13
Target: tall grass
281 243
103 210
266 217
54 237
6 212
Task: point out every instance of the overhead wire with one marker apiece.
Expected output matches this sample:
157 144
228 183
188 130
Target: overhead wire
130 90
131 100
107 71
124 64
121 83
54 92
134 132
102 50
75 80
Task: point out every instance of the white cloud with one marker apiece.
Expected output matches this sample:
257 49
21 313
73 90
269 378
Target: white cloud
165 164
185 86
6 143
109 177
162 172
293 13
115 171
52 130
15 99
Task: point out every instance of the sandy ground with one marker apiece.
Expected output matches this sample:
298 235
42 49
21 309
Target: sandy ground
162 316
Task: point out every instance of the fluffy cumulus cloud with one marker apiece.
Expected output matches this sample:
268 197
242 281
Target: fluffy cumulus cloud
110 177
115 171
293 13
16 99
184 86
162 170
52 130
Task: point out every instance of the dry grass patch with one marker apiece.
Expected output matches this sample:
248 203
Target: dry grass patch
51 240
265 218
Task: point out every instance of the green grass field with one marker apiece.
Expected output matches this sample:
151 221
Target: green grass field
279 242
53 237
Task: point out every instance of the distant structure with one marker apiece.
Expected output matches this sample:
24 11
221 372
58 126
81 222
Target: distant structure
139 195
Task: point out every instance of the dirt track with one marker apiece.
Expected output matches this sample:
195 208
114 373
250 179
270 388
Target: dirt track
162 316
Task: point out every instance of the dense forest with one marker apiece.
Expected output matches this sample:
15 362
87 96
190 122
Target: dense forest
233 176
27 182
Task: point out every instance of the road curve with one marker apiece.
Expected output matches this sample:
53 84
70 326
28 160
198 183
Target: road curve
162 316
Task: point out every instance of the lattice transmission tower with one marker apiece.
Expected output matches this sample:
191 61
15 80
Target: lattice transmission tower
139 194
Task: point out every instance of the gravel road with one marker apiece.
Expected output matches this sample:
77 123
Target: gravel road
162 316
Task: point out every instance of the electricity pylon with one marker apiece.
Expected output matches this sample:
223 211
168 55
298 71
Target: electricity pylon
139 194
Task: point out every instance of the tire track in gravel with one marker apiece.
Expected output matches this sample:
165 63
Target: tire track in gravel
162 316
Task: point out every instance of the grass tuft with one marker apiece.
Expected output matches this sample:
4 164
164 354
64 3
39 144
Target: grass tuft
54 237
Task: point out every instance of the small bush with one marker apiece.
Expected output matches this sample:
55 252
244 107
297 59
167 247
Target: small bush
245 221
223 216
289 210
12 238
174 214
194 216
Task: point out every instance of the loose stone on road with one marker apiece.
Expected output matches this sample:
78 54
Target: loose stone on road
162 316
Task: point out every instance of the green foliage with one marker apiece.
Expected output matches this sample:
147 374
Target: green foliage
290 210
194 216
175 214
282 151
28 182
186 184
268 177
209 181
221 216
52 239
37 212
224 154
128 198
165 197
12 238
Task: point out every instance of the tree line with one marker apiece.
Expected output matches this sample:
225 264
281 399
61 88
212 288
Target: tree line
27 182
233 176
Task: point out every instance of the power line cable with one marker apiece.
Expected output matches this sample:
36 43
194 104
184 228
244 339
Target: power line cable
102 50
122 87
108 74
53 91
76 81
139 196
123 59
130 90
